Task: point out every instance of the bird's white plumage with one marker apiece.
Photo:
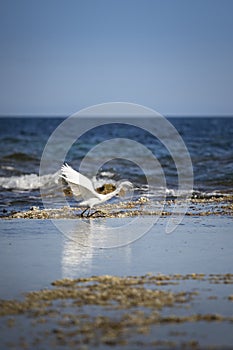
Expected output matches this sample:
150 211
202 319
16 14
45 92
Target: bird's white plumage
82 186
79 184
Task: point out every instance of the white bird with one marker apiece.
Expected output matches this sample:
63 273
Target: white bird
82 186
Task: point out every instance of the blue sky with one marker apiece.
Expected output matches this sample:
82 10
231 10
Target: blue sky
58 56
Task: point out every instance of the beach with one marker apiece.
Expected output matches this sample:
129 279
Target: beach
189 271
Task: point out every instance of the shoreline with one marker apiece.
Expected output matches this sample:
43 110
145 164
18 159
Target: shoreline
222 205
163 291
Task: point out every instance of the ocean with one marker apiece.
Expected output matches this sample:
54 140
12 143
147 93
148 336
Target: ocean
209 141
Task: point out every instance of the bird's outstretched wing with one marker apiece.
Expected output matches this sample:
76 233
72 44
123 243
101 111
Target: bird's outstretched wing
79 184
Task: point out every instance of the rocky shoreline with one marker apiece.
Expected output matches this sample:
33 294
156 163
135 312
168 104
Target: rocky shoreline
143 206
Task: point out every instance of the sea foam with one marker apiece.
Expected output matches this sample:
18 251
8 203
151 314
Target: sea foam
29 182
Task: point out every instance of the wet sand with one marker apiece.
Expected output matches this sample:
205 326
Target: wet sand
130 312
162 291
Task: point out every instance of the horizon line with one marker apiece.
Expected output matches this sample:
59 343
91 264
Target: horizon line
167 115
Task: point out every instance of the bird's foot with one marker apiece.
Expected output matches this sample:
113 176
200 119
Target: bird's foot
89 214
97 211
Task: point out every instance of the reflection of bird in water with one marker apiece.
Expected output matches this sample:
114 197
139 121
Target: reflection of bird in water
82 186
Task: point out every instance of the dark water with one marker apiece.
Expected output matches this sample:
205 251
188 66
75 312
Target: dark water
208 140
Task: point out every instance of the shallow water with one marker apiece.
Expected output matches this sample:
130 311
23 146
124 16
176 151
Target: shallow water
33 253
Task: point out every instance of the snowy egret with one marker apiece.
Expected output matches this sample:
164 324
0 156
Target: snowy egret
81 186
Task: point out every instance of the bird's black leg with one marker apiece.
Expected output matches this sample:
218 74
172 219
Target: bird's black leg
84 211
97 211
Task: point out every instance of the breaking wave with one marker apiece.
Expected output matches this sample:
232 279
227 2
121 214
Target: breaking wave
29 182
